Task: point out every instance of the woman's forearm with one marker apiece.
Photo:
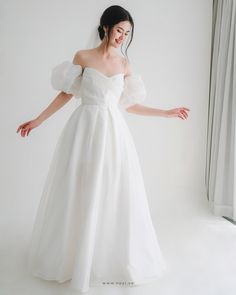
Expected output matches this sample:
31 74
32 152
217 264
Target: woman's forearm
61 99
146 111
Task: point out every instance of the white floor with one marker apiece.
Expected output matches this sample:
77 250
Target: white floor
200 250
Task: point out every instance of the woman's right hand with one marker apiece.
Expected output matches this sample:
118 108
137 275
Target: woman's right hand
26 127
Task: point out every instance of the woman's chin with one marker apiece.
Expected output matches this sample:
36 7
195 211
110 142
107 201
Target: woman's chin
117 44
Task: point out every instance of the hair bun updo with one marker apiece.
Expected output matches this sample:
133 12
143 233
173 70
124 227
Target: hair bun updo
101 32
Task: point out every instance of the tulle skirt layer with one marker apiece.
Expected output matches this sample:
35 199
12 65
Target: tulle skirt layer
93 224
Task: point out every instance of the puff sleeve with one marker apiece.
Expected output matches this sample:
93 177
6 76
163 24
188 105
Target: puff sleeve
134 91
66 77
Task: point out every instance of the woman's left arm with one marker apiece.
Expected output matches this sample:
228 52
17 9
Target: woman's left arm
147 111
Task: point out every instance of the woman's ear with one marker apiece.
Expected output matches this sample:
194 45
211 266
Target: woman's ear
105 29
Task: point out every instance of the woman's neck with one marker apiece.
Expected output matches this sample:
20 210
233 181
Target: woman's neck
104 51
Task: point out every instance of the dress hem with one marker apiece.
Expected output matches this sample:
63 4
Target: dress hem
103 283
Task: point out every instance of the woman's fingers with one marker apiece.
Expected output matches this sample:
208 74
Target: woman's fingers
178 112
29 131
26 131
185 114
182 113
22 126
19 128
23 130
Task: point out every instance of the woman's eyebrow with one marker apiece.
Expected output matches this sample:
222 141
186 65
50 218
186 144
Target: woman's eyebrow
122 29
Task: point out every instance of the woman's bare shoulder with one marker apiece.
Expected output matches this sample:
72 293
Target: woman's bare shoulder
127 67
81 56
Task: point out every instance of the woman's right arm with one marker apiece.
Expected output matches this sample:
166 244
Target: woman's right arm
60 100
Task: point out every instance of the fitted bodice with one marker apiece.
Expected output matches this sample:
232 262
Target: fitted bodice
93 87
97 88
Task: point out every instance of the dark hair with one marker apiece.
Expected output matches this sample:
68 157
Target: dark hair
112 16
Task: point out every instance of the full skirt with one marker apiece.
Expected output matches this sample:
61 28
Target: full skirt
93 224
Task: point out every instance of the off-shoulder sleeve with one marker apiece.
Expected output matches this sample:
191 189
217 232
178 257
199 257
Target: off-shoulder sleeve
134 91
66 77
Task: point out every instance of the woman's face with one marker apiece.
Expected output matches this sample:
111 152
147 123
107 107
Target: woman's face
119 33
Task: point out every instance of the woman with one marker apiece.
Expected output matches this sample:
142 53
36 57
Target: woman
93 225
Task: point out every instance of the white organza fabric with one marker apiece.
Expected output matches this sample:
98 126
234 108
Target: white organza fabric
67 77
93 225
134 91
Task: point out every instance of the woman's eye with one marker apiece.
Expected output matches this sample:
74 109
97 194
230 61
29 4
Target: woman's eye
119 31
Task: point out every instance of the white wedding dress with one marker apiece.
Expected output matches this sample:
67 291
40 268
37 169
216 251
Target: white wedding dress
93 224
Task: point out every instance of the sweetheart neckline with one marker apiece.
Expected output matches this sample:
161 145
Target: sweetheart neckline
99 72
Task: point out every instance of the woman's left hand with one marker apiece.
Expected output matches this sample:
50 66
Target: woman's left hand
178 112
